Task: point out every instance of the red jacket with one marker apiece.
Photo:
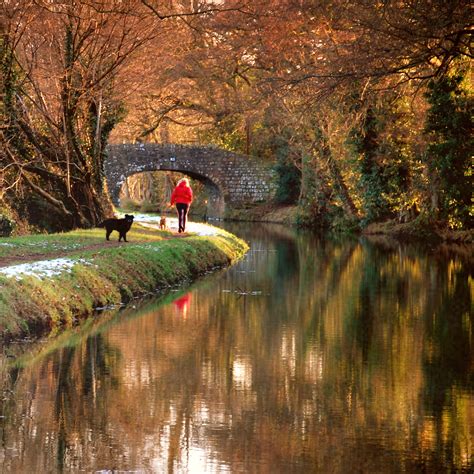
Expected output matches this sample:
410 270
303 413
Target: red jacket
182 194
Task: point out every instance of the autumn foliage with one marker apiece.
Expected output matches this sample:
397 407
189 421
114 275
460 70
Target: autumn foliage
343 96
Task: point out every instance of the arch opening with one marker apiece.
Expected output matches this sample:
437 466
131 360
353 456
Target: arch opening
150 191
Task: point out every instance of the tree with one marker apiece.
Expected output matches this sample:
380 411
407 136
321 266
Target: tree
279 79
449 153
372 183
60 63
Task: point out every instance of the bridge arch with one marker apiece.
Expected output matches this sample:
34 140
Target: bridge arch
230 179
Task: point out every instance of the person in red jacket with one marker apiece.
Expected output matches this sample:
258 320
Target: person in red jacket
182 196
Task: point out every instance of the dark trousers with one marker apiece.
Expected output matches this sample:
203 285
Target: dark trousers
182 215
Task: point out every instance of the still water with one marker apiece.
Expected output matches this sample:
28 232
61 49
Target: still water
309 355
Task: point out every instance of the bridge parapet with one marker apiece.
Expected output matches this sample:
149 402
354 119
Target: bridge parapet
231 178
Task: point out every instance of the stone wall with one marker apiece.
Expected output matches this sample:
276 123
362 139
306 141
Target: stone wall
231 179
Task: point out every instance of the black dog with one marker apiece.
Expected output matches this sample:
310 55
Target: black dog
122 226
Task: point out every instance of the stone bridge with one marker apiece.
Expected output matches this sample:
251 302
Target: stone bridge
230 179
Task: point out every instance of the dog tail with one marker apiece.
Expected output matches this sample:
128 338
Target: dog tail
101 224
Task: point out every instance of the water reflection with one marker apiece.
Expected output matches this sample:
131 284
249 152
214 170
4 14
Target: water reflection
310 355
182 304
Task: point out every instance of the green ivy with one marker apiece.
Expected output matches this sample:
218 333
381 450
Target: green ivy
449 128
372 184
315 197
288 175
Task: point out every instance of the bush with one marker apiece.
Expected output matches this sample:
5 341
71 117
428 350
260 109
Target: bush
129 205
6 226
148 206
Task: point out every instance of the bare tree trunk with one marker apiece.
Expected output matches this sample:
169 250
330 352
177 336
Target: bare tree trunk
343 191
340 187
126 189
434 197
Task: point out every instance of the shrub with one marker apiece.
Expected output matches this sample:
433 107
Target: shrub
6 226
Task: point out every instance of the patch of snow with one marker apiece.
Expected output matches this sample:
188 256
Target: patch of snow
203 229
148 247
41 269
45 244
48 268
148 218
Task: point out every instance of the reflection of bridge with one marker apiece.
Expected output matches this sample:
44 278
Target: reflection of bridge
229 178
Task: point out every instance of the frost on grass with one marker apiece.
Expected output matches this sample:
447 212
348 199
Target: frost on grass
46 245
41 269
153 248
48 268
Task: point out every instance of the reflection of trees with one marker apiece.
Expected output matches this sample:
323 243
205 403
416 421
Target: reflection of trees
63 402
449 362
344 362
52 400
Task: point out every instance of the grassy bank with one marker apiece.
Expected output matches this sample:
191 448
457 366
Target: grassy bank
50 281
419 229
263 213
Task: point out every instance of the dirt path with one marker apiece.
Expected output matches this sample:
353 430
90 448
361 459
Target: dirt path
35 257
146 228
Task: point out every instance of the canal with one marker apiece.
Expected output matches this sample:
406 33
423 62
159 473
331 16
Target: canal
309 355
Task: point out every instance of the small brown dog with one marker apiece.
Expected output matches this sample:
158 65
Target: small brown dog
163 223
